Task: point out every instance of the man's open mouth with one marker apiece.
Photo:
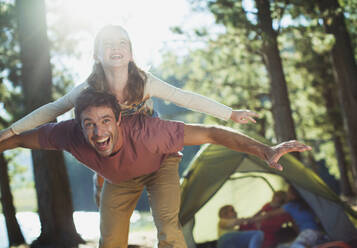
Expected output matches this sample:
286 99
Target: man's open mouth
102 143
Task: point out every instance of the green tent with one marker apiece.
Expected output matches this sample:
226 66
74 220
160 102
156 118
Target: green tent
218 176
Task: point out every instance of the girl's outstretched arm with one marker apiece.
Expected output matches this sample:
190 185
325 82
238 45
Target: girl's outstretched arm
44 114
158 88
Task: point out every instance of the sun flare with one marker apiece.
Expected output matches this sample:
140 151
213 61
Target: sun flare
147 23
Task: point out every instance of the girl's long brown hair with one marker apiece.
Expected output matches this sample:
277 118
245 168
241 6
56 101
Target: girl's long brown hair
134 88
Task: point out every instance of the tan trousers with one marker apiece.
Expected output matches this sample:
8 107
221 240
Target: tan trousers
118 202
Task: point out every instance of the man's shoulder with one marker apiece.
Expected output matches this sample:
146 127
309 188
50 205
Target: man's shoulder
71 123
137 125
66 125
158 136
65 130
71 127
64 135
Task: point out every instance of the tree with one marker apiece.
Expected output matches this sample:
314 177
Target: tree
335 118
13 228
283 122
313 59
227 67
51 180
344 65
7 64
233 15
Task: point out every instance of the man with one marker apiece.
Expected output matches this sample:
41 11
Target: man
128 154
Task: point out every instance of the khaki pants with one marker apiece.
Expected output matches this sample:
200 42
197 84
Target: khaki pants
118 202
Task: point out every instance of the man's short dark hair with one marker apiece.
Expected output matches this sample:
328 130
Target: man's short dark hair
94 98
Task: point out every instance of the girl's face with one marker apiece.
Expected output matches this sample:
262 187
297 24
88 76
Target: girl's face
114 48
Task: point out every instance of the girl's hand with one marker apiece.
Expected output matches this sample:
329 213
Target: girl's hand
243 116
6 133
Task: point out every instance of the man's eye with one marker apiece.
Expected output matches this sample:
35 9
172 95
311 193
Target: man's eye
106 121
88 125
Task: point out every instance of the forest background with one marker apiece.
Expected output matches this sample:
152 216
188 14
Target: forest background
293 62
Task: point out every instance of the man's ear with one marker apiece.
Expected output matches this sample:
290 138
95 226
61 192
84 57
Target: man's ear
79 122
83 131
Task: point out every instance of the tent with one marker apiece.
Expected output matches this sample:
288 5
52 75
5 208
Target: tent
218 176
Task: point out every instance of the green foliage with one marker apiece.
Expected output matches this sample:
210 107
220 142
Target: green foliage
9 65
225 72
230 67
307 75
64 39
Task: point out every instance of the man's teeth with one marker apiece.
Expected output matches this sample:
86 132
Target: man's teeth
102 141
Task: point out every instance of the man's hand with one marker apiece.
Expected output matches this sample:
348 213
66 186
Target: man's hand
276 152
6 133
243 116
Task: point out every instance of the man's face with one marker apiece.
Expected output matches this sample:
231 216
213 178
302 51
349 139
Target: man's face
101 129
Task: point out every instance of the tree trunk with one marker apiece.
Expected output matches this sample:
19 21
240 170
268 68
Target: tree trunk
345 69
263 126
334 116
282 115
51 179
13 229
345 185
54 201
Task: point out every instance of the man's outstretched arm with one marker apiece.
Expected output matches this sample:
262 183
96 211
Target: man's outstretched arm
201 134
29 139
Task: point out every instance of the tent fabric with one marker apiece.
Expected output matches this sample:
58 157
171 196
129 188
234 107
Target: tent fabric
337 219
199 185
213 166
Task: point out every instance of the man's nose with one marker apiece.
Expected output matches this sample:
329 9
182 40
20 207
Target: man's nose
98 130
